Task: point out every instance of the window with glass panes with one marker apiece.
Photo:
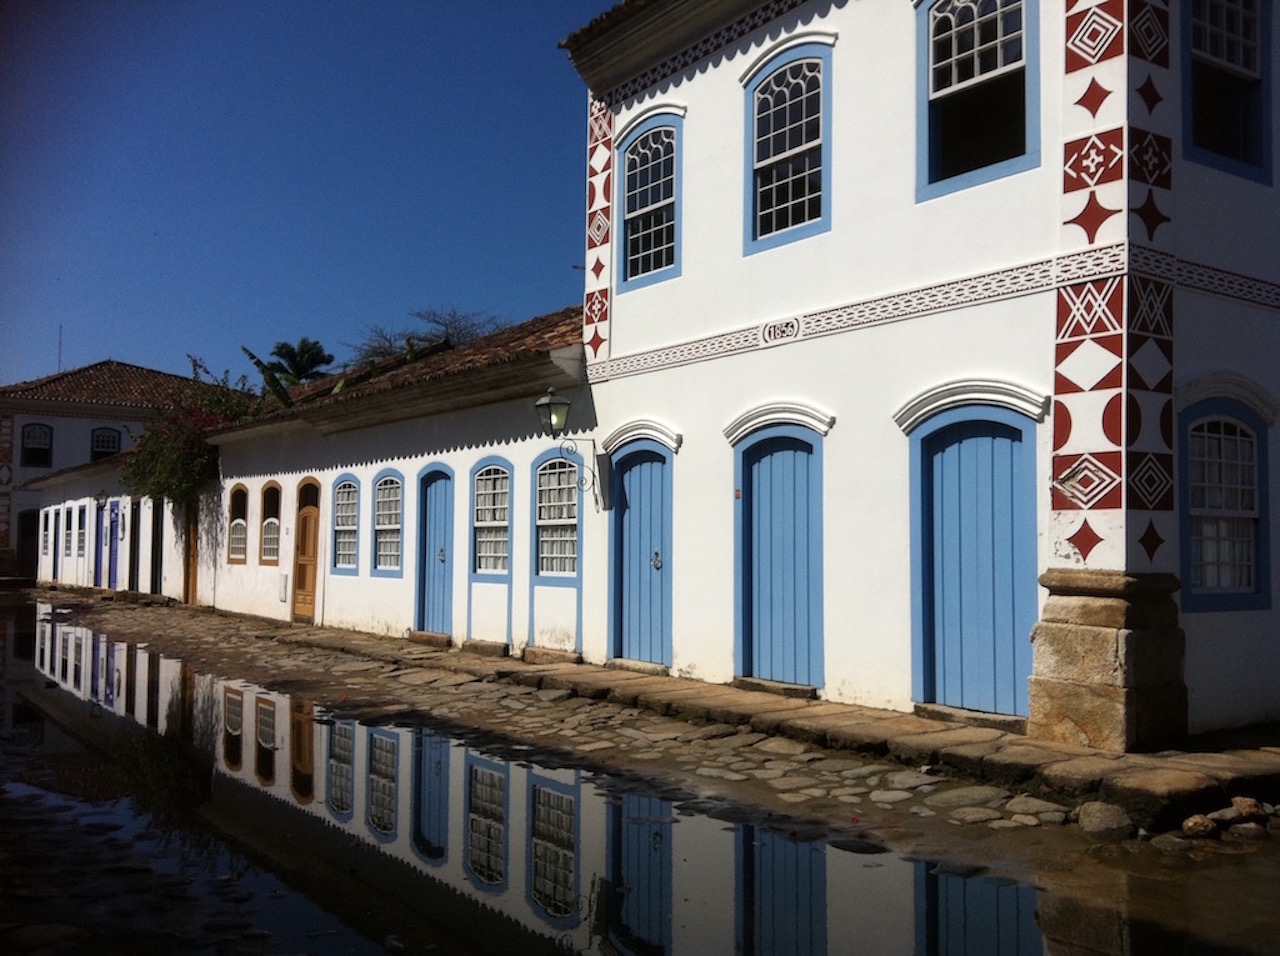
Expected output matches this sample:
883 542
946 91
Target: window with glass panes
232 724
346 506
81 521
553 850
340 783
382 783
557 517
238 531
103 443
492 519
386 524
270 550
650 218
1223 472
486 823
66 533
1227 83
788 148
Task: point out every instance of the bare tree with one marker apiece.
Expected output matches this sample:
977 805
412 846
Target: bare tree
444 326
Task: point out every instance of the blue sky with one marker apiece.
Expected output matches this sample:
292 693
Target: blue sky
190 177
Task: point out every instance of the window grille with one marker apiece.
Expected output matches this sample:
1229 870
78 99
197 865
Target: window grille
1226 32
486 825
788 148
340 783
37 446
66 533
553 851
232 725
557 517
382 783
650 202
972 42
238 529
346 506
492 519
103 443
1224 505
386 527
267 724
270 549
81 521
44 534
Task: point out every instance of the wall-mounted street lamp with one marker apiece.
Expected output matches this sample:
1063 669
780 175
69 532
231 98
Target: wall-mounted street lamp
553 413
100 499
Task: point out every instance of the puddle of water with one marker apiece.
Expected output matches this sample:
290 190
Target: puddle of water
418 829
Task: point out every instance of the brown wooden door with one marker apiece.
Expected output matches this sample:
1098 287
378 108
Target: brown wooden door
304 564
190 551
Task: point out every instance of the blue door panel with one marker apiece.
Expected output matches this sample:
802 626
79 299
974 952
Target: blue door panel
435 573
782 895
642 874
643 545
431 796
113 547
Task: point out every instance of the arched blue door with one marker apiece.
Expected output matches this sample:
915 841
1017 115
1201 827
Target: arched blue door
642 554
977 554
780 556
113 547
435 554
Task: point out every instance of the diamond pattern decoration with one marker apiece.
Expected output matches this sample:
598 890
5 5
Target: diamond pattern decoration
1087 481
1150 363
1089 364
1093 160
1095 35
1085 539
1092 217
598 229
1149 32
1151 540
1151 158
6 474
596 307
597 267
1151 482
1093 97
595 341
1150 94
1150 306
1089 308
1150 215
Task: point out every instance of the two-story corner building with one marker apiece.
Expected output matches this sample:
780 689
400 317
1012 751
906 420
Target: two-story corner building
936 345
52 424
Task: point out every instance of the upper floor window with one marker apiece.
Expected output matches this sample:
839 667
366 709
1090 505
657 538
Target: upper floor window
238 527
37 446
651 203
103 443
270 550
492 520
1225 542
346 512
557 517
980 112
386 524
1227 105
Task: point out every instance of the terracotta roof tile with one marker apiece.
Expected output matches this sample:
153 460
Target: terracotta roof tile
104 383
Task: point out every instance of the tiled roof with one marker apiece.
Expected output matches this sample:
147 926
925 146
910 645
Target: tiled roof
104 383
605 21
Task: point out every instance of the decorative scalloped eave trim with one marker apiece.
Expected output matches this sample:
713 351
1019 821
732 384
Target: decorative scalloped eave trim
778 413
642 428
1223 384
971 391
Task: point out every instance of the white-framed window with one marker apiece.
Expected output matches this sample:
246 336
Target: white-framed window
1228 62
232 727
492 520
37 446
238 526
103 443
1224 505
44 533
386 524
66 533
265 765
557 517
486 825
382 782
649 216
346 517
81 521
553 851
788 154
340 781
269 552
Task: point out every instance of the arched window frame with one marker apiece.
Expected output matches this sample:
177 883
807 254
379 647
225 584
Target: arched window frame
648 218
1195 596
930 184
346 525
238 525
817 51
549 521
269 536
381 783
491 516
103 443
386 557
37 445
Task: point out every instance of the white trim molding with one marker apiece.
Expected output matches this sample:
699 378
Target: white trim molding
972 391
657 109
790 43
778 413
642 428
1223 384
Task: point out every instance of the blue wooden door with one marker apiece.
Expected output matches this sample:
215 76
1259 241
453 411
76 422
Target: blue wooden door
435 564
641 874
431 795
113 547
782 895
642 556
781 572
980 575
97 547
973 916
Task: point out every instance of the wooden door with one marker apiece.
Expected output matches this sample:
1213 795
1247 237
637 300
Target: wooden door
642 557
190 551
305 564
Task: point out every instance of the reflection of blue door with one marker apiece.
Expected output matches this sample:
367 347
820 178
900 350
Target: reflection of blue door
431 795
641 874
956 916
97 548
435 557
780 575
979 560
642 554
782 895
113 547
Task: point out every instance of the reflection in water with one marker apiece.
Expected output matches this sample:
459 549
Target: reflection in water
567 860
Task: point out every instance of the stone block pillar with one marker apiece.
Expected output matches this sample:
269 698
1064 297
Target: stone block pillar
1108 661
